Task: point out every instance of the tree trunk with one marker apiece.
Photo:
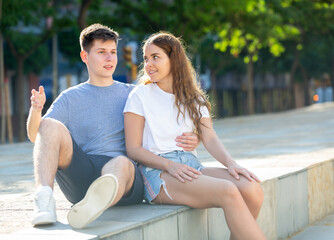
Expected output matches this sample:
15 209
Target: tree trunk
20 58
9 117
258 102
54 66
250 79
292 103
306 87
2 84
235 101
20 97
214 109
332 77
83 13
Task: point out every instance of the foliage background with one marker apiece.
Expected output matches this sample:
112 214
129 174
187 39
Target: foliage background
254 42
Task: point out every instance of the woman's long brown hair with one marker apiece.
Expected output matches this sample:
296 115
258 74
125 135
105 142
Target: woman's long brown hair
185 88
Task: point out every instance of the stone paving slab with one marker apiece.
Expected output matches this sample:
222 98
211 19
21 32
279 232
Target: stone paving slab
113 221
322 230
271 145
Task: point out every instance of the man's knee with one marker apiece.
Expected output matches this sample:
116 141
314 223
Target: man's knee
51 126
55 137
123 169
120 164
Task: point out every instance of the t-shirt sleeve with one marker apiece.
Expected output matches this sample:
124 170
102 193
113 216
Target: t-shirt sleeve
58 110
134 104
205 112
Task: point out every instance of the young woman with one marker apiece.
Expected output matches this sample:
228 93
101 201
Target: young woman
167 104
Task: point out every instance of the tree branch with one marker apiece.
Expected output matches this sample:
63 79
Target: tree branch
11 46
45 37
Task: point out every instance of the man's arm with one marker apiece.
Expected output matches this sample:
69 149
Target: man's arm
35 113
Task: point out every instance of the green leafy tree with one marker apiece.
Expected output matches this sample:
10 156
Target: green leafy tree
218 63
247 32
313 19
190 19
25 28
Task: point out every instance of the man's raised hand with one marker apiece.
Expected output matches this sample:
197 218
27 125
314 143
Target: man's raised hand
38 98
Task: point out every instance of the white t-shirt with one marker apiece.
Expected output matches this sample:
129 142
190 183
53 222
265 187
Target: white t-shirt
160 113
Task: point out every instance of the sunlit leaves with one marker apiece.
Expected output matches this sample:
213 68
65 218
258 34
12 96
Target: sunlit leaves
276 48
256 6
258 27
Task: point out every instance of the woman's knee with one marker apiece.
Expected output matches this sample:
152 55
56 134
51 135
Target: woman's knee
229 192
252 193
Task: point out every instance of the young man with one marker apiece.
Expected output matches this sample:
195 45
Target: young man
80 140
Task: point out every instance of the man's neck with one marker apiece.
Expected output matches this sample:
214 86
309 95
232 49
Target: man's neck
101 82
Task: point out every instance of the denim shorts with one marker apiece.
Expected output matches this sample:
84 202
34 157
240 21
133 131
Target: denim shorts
151 176
84 169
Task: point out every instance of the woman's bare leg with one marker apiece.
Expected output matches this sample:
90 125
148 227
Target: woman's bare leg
251 191
206 192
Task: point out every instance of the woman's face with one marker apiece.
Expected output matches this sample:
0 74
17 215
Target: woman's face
157 64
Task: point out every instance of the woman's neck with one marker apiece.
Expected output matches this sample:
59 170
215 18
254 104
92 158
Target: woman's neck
166 85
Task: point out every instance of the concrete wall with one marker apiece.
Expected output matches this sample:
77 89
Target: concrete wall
292 201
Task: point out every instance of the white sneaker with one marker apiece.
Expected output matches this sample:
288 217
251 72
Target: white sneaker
100 194
45 208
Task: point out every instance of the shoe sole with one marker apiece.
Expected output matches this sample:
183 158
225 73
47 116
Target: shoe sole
100 194
44 220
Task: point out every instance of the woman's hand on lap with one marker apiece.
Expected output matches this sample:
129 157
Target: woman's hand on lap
235 170
182 172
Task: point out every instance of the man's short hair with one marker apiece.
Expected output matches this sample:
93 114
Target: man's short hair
96 32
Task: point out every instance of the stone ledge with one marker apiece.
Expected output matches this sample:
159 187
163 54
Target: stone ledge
293 199
289 151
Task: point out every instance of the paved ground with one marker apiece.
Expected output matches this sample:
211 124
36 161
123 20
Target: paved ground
322 230
17 188
273 142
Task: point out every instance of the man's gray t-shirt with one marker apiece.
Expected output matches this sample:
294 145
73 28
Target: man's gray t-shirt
94 116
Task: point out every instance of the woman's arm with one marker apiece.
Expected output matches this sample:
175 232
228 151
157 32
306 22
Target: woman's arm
133 128
216 148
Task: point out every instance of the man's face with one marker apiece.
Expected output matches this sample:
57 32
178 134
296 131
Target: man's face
101 60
